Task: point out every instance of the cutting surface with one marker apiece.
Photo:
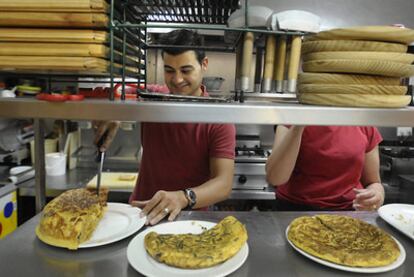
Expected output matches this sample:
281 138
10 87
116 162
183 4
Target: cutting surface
120 180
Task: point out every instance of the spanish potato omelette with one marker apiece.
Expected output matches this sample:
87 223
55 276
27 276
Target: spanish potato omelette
194 251
70 219
343 240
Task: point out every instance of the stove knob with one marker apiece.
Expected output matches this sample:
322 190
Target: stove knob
242 179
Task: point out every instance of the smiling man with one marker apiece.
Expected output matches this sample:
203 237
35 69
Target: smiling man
184 165
183 72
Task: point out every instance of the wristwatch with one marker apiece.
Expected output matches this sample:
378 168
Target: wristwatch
191 197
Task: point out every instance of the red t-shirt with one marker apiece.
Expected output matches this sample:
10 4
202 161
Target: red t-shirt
329 166
176 156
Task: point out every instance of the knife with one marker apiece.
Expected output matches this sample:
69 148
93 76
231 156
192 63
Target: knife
101 156
100 159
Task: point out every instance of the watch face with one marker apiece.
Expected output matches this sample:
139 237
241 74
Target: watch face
191 196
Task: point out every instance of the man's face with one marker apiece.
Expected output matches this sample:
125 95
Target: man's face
183 73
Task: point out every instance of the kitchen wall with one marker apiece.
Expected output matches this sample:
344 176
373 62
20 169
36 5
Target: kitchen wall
334 13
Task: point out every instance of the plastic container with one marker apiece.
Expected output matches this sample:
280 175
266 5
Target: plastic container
213 83
55 164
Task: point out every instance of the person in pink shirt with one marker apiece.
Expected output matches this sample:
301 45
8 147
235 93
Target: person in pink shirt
184 165
326 168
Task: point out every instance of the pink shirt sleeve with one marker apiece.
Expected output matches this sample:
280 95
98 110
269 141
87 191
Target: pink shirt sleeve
373 137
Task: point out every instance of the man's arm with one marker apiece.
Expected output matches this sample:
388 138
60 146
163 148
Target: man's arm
219 186
281 162
214 190
372 196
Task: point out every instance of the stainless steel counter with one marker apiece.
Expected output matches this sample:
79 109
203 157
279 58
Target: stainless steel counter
55 185
22 254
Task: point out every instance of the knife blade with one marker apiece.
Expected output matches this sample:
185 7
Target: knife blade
100 167
100 159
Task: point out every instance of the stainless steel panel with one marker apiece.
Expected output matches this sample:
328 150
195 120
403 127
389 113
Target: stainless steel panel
245 113
407 188
250 169
267 194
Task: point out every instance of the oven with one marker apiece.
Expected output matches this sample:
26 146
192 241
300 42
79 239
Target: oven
397 173
249 171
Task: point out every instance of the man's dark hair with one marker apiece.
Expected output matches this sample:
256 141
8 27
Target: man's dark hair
185 38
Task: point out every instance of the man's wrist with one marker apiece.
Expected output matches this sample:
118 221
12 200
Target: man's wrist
184 201
191 198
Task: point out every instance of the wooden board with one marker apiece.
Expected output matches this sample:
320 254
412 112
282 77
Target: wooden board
52 35
41 63
376 33
352 89
63 36
360 55
356 100
352 45
119 180
55 5
63 50
370 67
334 78
53 49
52 19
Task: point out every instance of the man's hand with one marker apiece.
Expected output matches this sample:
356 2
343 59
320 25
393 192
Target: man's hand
102 127
370 198
163 203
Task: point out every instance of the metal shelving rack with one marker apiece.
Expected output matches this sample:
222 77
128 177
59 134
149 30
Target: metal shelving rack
131 18
183 11
126 50
133 42
189 14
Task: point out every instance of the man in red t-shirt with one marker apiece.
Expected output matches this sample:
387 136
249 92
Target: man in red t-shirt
184 165
326 168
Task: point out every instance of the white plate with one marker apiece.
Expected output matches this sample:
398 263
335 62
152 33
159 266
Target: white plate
146 265
394 265
401 216
119 221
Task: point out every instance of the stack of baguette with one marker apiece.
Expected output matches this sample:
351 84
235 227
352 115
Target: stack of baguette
357 67
55 36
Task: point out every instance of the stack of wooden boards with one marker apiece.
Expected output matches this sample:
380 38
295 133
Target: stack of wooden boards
357 67
51 36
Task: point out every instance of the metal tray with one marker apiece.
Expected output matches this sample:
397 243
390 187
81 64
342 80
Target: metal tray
180 98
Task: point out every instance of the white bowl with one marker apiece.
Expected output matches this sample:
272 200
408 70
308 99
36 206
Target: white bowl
295 20
257 17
